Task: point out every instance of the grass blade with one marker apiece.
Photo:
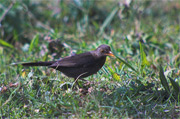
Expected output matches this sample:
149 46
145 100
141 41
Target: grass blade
127 64
175 85
34 43
144 60
108 20
6 44
163 80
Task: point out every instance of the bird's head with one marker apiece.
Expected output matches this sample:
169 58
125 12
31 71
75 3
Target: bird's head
103 50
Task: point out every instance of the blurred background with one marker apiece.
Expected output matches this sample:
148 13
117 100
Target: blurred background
78 23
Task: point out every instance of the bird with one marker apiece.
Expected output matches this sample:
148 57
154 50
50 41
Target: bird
78 66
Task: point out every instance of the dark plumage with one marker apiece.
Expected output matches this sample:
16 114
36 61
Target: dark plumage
80 65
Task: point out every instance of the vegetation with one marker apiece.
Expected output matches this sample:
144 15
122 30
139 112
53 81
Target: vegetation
143 81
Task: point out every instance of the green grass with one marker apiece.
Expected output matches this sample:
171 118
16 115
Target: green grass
142 81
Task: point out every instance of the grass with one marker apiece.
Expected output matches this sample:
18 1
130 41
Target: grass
142 81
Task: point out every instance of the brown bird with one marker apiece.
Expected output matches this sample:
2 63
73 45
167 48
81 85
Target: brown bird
80 65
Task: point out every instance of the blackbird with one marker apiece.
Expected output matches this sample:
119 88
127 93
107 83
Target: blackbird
79 66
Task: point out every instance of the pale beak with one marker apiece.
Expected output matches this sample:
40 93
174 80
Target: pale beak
110 54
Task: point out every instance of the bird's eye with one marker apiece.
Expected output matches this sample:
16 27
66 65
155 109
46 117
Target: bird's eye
102 50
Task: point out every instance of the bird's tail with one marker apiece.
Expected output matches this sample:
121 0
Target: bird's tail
38 63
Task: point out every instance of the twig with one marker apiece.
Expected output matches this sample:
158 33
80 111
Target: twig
31 15
10 97
4 14
6 88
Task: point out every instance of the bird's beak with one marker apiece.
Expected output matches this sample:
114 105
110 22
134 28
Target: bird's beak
110 54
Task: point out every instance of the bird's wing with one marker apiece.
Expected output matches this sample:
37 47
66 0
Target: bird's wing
80 60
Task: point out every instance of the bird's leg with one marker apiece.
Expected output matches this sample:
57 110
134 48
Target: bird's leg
79 84
76 79
76 82
79 77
